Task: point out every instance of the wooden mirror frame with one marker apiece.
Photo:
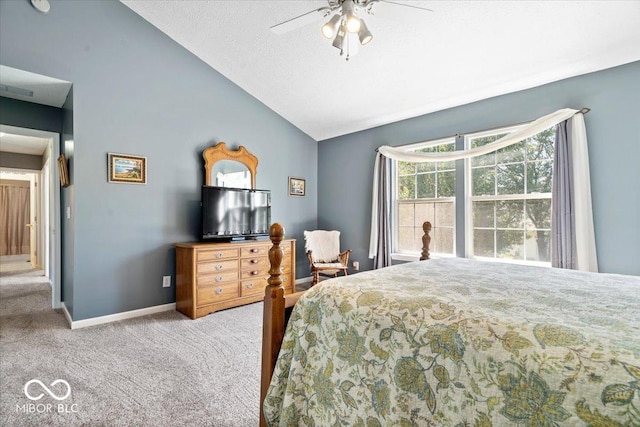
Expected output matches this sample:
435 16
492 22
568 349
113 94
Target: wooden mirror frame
221 152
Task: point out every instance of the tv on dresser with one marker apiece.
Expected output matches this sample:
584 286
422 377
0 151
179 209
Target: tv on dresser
234 213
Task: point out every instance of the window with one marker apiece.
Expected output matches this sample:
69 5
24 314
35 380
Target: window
511 198
507 200
426 190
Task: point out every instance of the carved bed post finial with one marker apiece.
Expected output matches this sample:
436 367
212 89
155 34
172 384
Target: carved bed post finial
426 240
276 234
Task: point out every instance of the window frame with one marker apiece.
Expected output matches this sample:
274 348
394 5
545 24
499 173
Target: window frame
466 199
405 255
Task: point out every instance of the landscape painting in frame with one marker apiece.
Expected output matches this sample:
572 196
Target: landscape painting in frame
296 186
124 168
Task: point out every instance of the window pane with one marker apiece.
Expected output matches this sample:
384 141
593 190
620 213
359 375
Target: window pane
483 181
407 187
510 244
538 246
405 238
444 215
483 243
426 167
442 241
483 214
539 214
510 179
539 176
426 185
405 214
485 160
511 154
446 184
424 212
540 146
510 214
406 168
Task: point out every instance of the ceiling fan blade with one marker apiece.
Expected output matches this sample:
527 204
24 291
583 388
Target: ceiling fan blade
301 21
405 4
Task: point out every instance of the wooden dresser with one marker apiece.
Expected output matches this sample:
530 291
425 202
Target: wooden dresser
215 276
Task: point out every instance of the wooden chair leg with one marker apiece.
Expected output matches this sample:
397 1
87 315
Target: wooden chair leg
315 278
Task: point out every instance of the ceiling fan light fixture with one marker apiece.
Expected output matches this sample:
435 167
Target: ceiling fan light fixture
329 29
364 34
353 23
338 42
351 19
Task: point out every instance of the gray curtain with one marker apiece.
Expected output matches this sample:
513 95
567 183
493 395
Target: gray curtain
383 250
563 228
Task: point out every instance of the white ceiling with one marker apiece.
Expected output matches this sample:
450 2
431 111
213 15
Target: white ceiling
462 52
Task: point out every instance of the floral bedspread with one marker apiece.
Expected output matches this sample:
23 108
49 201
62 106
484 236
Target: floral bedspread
457 342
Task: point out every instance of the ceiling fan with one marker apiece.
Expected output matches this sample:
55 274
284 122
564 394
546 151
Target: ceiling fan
345 27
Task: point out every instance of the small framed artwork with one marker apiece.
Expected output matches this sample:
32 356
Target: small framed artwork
63 170
124 168
296 186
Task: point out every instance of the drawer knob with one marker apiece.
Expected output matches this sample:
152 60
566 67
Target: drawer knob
218 266
255 261
249 285
218 254
218 291
254 273
254 250
218 278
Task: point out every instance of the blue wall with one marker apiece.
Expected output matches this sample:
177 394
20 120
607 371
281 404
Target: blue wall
135 91
613 132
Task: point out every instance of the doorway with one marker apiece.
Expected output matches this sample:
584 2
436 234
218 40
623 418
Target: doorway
19 231
30 153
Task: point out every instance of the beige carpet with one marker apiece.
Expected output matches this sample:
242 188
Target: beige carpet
158 370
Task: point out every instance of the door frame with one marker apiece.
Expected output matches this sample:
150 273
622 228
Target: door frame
55 239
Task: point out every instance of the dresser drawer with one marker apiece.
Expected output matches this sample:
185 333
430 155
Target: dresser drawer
211 255
255 251
249 273
253 286
216 293
254 263
216 266
221 277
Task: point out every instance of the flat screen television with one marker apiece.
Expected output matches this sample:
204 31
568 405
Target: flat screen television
235 213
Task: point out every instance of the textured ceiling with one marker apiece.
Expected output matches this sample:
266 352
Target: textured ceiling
418 62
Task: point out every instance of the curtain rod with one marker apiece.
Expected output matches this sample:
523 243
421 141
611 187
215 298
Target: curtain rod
583 110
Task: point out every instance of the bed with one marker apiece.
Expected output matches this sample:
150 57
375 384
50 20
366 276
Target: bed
448 342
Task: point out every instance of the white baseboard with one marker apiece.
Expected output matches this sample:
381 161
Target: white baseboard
93 321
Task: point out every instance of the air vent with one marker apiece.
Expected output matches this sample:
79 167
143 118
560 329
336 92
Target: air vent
16 90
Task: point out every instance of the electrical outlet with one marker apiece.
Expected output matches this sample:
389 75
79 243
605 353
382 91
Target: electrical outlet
166 281
356 265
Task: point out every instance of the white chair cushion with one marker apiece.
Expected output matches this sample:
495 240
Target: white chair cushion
324 245
327 265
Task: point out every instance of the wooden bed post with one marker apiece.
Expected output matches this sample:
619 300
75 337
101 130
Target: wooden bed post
426 240
273 318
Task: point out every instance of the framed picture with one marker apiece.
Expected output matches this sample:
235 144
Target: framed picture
63 170
124 168
296 186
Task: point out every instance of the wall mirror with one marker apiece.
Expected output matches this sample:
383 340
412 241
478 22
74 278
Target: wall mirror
230 168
